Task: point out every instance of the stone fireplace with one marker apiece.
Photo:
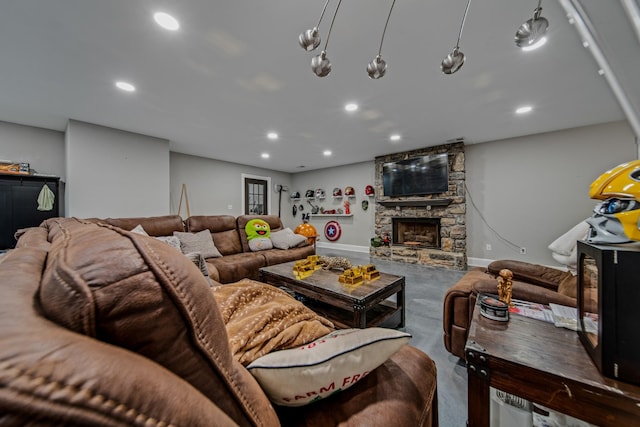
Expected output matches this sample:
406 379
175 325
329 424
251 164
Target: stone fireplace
426 229
416 232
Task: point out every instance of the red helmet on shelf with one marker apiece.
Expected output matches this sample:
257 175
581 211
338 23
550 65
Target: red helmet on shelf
349 191
337 192
369 191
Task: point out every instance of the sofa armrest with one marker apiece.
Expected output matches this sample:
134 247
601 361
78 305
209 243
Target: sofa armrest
460 299
540 275
527 292
457 309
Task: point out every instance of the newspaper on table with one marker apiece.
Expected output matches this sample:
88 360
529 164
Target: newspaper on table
564 317
567 317
561 316
532 310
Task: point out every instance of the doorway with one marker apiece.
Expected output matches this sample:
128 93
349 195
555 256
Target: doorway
256 195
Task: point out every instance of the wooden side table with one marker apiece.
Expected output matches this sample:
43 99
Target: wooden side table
545 365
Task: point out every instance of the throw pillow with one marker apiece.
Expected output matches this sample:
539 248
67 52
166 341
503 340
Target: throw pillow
172 241
138 229
261 318
199 261
286 238
258 235
329 364
198 242
169 240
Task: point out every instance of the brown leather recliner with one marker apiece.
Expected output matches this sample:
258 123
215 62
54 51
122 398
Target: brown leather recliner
103 327
531 282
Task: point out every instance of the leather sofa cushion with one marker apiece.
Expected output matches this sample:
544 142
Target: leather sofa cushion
279 256
136 292
32 237
153 226
51 376
569 286
231 268
526 292
533 273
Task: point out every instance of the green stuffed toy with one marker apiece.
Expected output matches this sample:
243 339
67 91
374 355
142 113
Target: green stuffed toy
258 235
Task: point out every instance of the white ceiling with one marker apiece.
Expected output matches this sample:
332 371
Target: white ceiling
234 71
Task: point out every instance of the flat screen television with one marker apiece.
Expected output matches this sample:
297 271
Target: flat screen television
608 305
416 176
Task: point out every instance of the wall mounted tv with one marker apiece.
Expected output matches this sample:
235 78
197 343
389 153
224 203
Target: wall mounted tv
419 175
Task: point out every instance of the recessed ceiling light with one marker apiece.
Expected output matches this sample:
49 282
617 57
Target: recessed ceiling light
524 110
535 46
127 87
351 107
166 21
265 155
327 153
272 136
395 137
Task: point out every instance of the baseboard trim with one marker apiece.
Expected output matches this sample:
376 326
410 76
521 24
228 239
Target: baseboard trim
342 247
479 262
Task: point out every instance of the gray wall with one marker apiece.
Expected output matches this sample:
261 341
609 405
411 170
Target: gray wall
356 230
115 173
533 189
215 187
43 149
530 190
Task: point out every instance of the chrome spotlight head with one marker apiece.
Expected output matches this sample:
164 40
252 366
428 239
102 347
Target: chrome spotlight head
532 31
310 39
377 68
320 65
452 62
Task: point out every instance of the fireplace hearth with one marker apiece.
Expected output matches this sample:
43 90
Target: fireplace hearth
416 232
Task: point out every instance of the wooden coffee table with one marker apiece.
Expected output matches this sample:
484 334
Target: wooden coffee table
362 306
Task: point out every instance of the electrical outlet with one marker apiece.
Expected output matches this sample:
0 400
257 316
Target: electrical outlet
230 207
488 246
523 251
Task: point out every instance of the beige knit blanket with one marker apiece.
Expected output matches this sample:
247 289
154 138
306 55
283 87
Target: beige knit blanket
261 318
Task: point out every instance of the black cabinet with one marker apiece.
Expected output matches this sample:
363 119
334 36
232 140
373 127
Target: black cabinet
19 204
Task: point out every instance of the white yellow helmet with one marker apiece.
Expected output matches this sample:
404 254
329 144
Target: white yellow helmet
617 218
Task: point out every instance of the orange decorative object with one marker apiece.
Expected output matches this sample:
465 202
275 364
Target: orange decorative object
307 230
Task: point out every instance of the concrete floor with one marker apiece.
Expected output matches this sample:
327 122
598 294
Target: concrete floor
425 288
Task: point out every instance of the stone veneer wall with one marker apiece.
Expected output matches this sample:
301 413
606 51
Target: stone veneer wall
453 230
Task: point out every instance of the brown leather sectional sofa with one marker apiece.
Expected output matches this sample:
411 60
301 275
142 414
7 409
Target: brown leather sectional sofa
531 282
229 236
104 327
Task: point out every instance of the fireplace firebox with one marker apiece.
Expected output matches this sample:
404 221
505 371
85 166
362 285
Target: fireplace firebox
416 232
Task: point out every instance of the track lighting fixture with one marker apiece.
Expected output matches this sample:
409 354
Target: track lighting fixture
378 67
310 39
532 32
529 36
320 64
454 61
